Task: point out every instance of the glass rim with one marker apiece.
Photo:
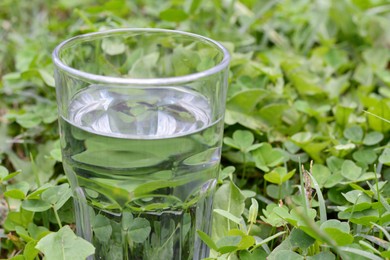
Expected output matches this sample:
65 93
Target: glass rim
224 63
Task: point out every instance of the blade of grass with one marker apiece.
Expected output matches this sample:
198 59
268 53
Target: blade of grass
383 230
381 118
380 242
321 201
360 252
368 246
268 239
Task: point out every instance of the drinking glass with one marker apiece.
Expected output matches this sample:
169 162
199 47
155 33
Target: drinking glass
141 123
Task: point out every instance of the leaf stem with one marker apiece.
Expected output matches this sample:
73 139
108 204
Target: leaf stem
57 217
244 169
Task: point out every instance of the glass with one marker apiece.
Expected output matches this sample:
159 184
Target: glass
141 124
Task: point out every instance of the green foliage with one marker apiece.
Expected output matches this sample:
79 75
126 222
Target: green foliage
64 244
309 81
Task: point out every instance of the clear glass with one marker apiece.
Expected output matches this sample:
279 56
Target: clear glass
141 124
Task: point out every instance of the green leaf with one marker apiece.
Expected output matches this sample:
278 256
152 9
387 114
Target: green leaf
253 211
30 252
56 154
241 108
279 175
57 195
64 244
11 175
384 75
334 163
305 82
354 133
271 217
273 113
113 46
336 57
321 173
265 156
101 226
286 255
334 179
364 217
322 256
17 190
258 253
301 138
37 232
22 232
127 219
207 239
15 194
356 197
338 231
28 119
350 170
3 172
385 157
21 218
246 242
139 230
228 244
376 57
36 193
299 239
228 215
279 191
377 114
228 198
173 15
47 77
301 215
226 172
241 140
385 254
363 74
36 205
342 114
372 138
367 156
246 101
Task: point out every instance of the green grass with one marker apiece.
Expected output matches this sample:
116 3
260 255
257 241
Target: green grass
309 82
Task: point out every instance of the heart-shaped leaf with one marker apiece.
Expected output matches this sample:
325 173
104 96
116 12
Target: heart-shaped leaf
373 138
338 231
279 175
64 245
354 133
139 230
102 228
350 170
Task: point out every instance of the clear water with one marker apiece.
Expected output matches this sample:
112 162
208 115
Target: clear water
153 153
